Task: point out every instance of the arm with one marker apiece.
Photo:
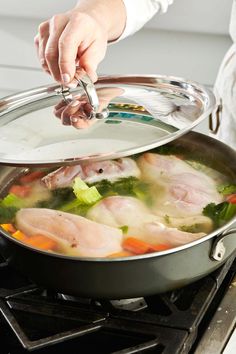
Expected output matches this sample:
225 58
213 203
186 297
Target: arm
138 12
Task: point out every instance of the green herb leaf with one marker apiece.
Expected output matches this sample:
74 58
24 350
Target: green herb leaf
124 229
227 189
7 214
129 186
11 200
220 213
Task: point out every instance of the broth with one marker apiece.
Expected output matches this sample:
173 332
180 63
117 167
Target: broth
147 203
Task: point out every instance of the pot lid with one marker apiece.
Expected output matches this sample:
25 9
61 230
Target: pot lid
121 116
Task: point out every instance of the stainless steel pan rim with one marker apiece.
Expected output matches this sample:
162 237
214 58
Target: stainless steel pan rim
216 233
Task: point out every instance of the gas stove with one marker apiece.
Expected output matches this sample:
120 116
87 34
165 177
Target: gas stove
182 321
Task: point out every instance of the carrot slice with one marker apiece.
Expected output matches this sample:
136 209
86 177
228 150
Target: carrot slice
20 236
8 227
137 246
20 191
42 242
231 198
120 254
160 247
37 241
31 177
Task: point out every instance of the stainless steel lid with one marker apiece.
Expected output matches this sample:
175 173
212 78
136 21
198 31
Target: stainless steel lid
131 114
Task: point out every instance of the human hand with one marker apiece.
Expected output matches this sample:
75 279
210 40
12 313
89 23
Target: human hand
68 40
78 38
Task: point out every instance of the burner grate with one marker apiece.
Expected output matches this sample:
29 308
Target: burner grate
45 322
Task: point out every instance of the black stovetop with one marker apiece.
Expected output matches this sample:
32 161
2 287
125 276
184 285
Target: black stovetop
40 321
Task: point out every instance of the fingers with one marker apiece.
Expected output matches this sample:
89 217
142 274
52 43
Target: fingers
41 42
87 45
92 56
68 40
46 42
69 45
56 27
36 42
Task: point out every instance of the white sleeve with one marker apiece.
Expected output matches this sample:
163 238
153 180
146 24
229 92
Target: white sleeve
138 12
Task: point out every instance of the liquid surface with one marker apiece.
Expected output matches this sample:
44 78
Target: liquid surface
118 208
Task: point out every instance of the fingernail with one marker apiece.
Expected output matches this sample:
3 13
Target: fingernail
73 119
72 84
65 78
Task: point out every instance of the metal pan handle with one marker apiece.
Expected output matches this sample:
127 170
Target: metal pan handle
218 247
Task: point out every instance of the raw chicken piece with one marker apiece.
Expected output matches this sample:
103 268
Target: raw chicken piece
198 223
158 233
79 235
92 172
120 211
180 189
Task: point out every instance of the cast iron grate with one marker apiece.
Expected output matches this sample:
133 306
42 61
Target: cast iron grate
44 322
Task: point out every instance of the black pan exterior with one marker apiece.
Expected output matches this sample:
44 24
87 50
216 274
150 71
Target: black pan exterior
115 279
137 276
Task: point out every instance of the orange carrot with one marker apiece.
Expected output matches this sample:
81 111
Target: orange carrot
20 236
231 198
37 241
42 242
20 191
160 247
120 254
137 246
8 227
31 177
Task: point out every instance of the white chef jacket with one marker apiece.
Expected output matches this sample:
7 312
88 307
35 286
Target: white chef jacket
225 91
138 12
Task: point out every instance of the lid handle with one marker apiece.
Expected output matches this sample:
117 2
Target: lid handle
89 88
86 83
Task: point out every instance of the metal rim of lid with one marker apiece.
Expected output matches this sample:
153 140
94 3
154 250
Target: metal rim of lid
30 100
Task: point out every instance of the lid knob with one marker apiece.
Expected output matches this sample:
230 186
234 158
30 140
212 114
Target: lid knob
86 83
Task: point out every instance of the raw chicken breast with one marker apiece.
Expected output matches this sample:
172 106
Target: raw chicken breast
198 223
180 189
83 237
120 211
92 172
158 233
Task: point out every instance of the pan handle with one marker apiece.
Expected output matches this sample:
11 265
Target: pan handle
218 248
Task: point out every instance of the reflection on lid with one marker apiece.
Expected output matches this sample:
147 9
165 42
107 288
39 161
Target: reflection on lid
38 128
